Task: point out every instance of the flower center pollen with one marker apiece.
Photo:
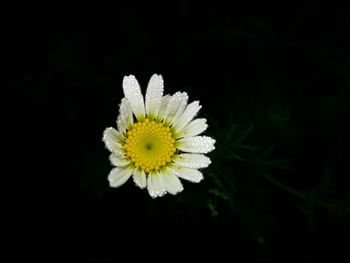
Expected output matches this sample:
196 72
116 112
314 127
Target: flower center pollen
149 145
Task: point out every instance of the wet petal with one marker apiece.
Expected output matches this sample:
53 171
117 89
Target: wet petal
194 128
190 112
176 106
197 144
126 117
192 160
154 95
112 139
155 185
133 93
118 160
119 176
171 181
139 178
189 174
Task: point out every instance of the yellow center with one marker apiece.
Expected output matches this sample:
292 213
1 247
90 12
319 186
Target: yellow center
149 145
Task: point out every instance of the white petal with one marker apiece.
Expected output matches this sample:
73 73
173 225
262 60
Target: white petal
120 124
183 98
118 160
111 139
132 92
155 185
197 144
191 111
176 106
189 174
154 95
192 160
125 110
139 178
171 181
119 176
194 128
163 107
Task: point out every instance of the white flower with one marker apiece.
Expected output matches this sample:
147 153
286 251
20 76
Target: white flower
157 139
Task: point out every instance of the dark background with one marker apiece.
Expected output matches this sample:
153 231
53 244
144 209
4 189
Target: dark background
274 82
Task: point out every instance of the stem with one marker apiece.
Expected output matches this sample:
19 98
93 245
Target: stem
285 187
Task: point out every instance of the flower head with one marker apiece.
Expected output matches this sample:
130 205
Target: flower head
157 139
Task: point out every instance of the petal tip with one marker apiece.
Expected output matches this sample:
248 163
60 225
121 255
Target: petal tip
126 77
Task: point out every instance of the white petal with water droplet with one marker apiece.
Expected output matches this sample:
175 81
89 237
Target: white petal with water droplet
183 98
192 160
189 174
176 106
154 95
139 178
194 128
190 112
155 185
119 176
197 144
120 125
118 160
125 114
112 139
163 106
171 181
133 93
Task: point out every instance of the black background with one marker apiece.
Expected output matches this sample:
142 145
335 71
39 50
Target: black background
274 82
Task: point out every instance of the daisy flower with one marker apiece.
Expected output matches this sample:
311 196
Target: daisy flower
157 140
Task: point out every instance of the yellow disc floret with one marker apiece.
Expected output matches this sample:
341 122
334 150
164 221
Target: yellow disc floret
149 145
